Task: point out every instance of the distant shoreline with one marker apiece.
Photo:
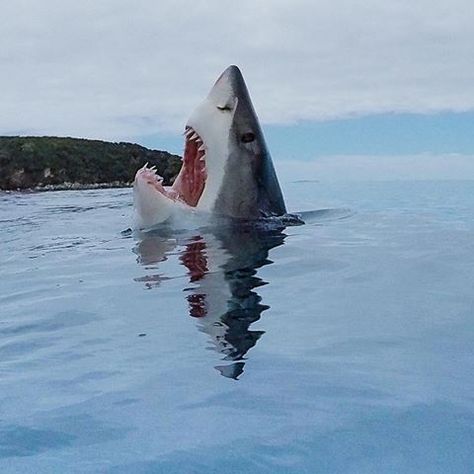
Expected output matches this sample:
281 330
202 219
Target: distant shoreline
34 164
69 187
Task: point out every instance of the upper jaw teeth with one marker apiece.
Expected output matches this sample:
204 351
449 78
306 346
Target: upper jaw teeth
191 135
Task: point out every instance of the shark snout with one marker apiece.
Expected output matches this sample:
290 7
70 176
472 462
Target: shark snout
228 89
230 75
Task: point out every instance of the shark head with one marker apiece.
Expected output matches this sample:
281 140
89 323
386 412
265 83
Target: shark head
227 169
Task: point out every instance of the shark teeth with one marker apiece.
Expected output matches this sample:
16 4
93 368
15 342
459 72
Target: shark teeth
151 172
192 135
199 153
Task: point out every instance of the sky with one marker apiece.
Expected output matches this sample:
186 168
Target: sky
329 78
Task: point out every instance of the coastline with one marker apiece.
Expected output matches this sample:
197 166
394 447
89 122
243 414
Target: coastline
69 187
38 164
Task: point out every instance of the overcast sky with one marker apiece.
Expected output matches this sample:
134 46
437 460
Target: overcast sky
124 70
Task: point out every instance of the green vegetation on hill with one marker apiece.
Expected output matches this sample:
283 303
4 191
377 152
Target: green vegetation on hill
29 162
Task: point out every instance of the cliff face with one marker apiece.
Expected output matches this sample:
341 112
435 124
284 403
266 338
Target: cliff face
29 162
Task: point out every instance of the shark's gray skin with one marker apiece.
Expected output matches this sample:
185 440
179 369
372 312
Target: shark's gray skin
227 169
250 187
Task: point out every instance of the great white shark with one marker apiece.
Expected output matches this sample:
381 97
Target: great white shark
227 169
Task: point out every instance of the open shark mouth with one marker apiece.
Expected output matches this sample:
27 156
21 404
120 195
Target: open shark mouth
191 180
226 169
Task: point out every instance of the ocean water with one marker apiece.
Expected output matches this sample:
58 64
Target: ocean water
342 346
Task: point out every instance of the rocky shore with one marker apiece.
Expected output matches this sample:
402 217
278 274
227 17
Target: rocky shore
53 163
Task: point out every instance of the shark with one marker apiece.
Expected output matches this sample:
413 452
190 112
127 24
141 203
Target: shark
226 170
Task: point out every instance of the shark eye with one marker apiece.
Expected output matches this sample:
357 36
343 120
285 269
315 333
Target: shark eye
247 137
224 107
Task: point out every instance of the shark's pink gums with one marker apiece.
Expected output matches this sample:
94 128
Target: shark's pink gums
189 184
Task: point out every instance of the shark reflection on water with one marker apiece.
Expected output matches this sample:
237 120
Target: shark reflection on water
221 266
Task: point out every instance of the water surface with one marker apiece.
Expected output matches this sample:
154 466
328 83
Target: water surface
345 345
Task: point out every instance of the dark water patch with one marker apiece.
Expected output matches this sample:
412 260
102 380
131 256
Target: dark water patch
72 209
12 350
63 243
20 441
58 322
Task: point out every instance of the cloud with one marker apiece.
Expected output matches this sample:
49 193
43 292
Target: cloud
120 69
